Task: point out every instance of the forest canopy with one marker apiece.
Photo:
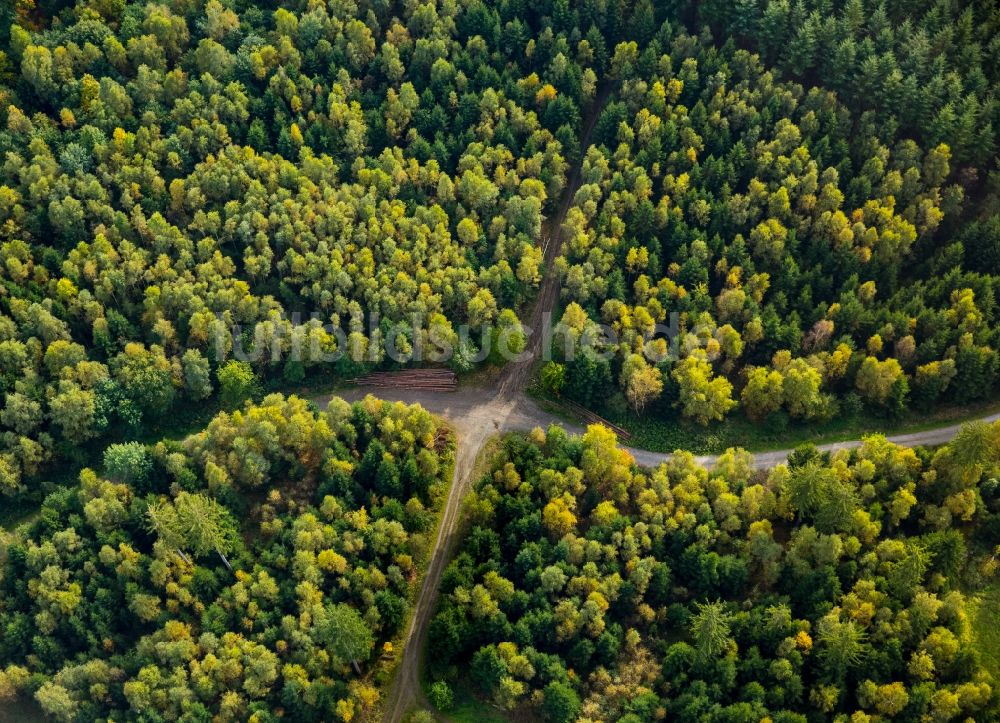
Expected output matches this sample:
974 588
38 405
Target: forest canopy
834 587
256 570
804 193
818 256
824 234
173 170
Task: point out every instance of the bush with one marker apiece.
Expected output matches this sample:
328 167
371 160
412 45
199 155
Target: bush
293 372
237 383
129 463
561 703
440 696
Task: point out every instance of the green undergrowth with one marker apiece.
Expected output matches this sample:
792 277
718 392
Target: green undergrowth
667 431
985 631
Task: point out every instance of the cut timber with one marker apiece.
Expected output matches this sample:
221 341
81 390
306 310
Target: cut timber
435 380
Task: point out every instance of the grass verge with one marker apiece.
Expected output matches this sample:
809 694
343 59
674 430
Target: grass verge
469 709
668 431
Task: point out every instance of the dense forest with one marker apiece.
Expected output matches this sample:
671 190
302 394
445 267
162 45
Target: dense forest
787 210
831 588
927 70
171 170
822 256
257 569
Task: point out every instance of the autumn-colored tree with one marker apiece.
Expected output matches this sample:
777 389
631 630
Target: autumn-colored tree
703 396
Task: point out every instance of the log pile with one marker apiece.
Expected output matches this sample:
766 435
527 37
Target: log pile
590 418
431 380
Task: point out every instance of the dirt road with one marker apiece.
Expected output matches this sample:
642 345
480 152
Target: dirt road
473 431
476 415
466 409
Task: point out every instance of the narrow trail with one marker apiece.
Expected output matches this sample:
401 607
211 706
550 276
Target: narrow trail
406 690
517 374
476 417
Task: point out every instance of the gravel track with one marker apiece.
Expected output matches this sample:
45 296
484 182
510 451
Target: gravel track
476 415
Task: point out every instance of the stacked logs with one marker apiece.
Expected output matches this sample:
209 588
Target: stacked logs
432 380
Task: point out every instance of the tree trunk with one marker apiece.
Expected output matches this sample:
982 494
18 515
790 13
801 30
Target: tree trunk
357 668
224 560
181 555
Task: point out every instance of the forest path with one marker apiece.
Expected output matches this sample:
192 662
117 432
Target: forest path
473 430
517 374
476 415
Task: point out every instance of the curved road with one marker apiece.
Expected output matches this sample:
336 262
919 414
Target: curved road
467 411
